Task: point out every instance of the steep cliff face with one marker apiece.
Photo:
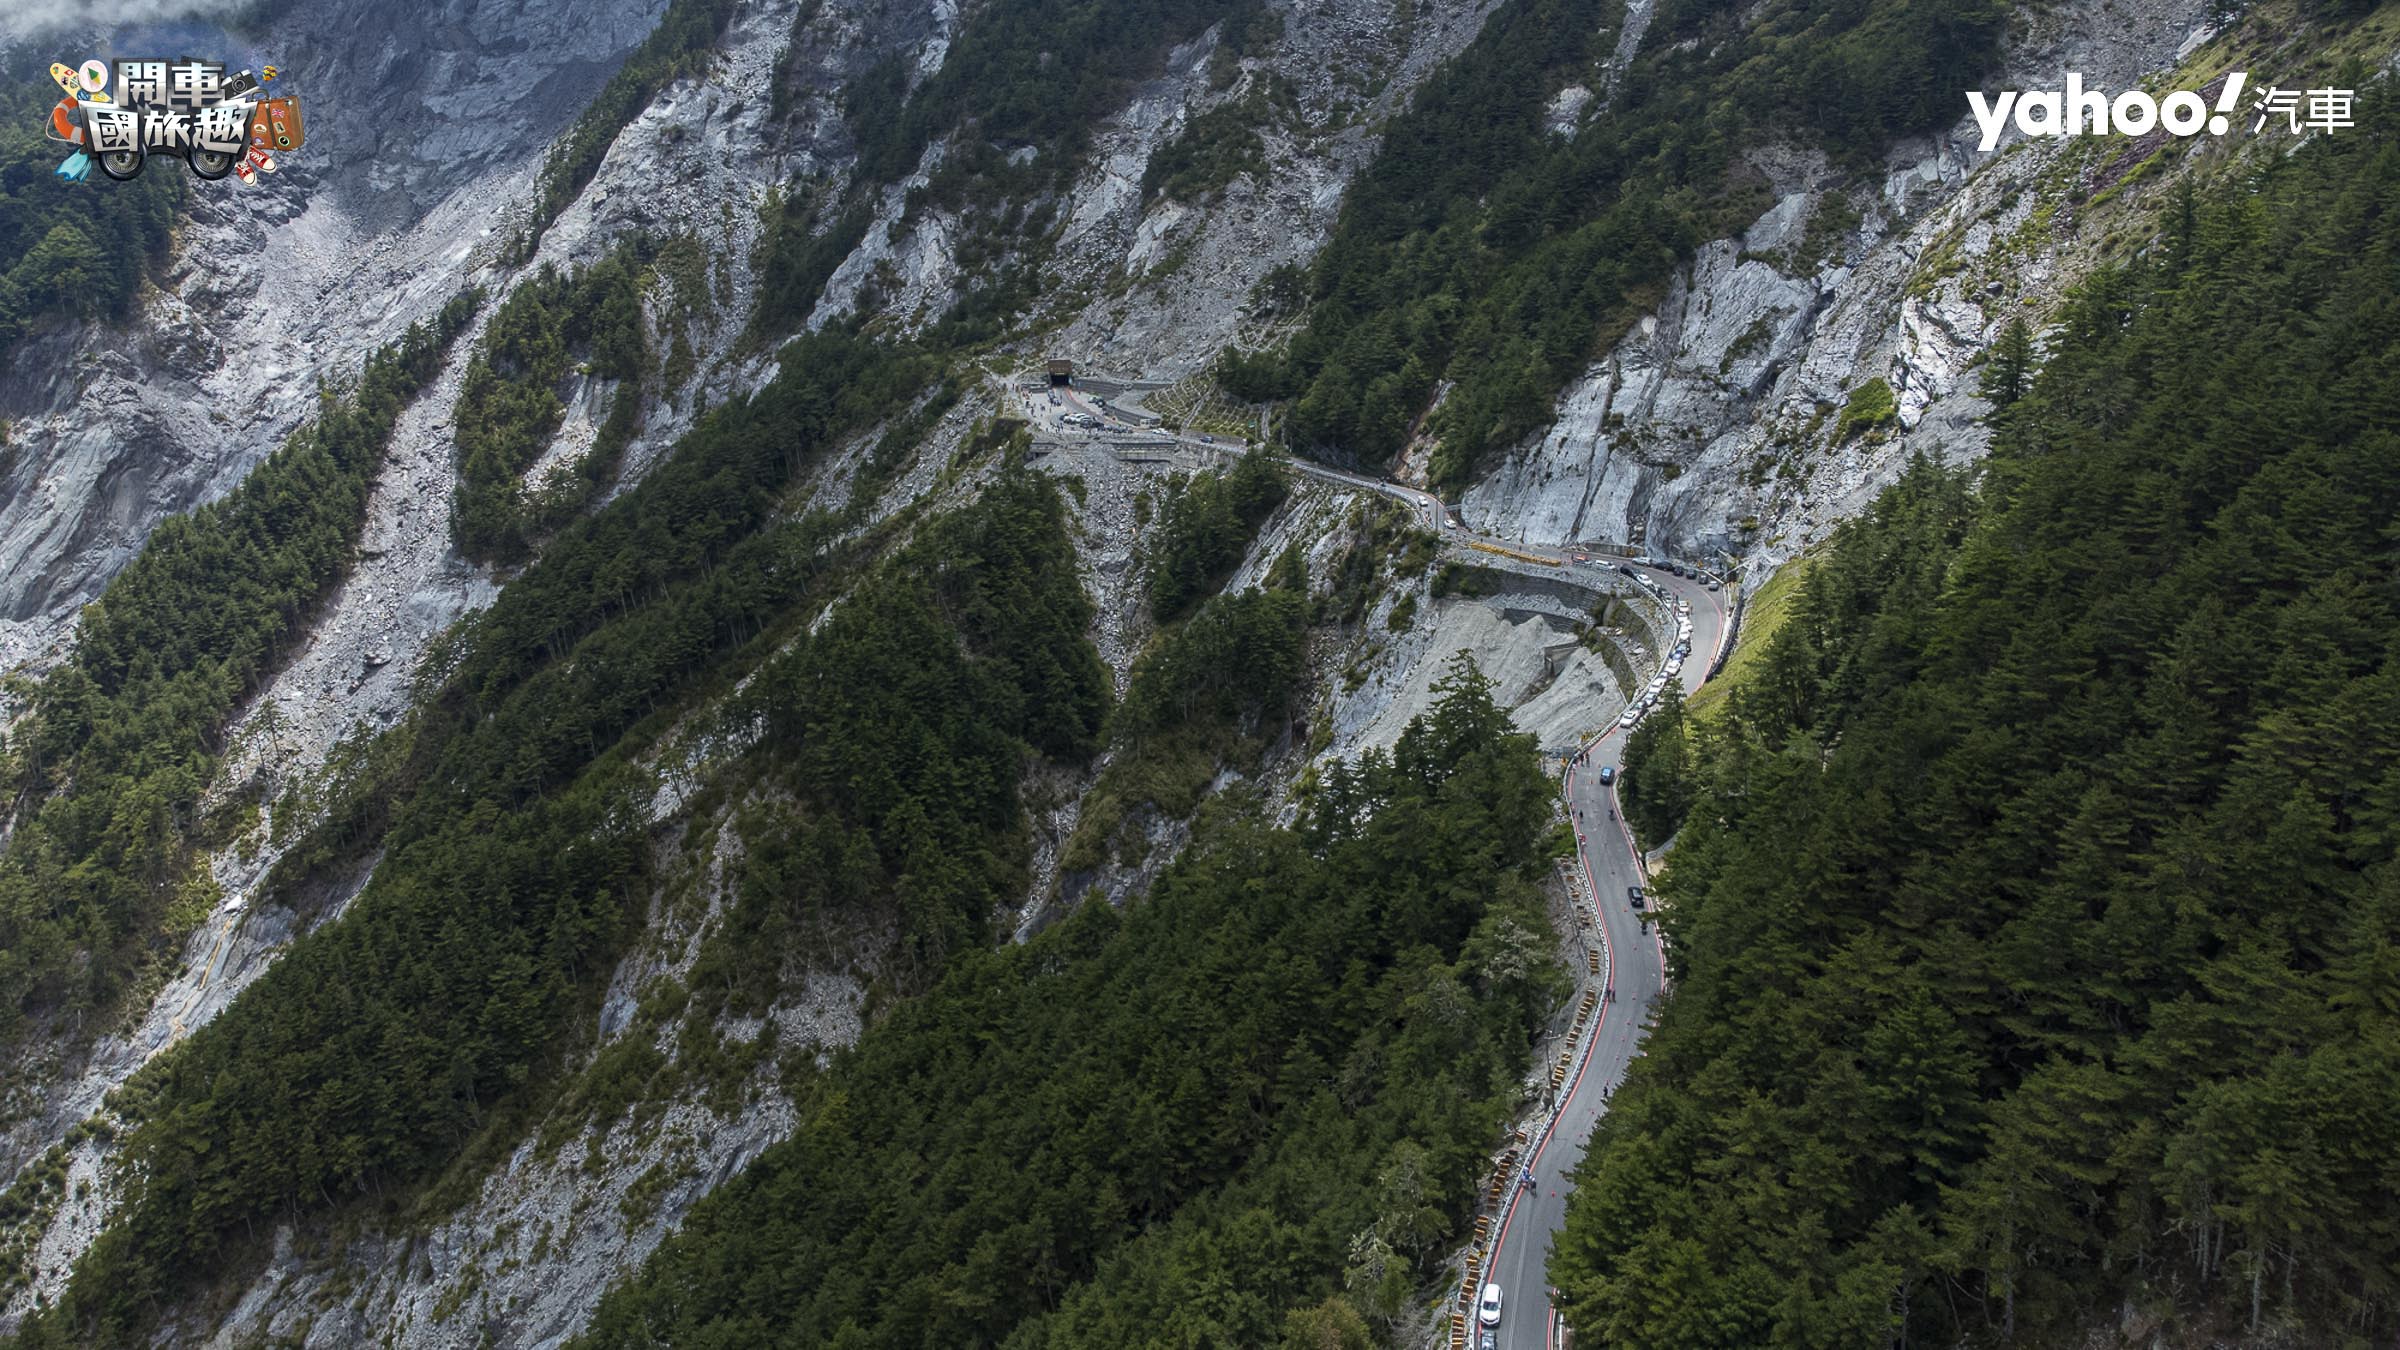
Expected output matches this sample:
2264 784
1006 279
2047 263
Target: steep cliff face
421 121
272 291
1192 268
1714 427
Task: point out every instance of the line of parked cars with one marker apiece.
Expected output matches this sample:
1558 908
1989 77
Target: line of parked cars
1673 568
1672 669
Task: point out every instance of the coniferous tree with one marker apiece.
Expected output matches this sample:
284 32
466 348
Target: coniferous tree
2056 833
2010 366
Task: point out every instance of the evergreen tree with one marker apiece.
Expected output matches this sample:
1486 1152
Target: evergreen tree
1660 775
2032 921
2011 365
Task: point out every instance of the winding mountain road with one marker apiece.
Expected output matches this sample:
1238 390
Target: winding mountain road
1633 965
1635 968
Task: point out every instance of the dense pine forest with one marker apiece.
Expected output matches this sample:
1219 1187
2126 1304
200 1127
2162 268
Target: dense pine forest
2035 919
103 871
1248 1109
69 252
509 409
772 922
512 840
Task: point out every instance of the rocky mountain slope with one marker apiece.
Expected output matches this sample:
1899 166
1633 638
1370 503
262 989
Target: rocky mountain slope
1705 431
280 287
1712 429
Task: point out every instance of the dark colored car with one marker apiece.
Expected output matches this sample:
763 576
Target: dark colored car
1608 774
1633 896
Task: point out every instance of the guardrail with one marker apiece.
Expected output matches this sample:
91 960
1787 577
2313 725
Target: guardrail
1733 629
1498 1193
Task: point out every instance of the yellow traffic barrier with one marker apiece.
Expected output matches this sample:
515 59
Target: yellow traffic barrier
1512 553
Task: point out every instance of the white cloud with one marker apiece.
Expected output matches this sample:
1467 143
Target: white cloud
33 18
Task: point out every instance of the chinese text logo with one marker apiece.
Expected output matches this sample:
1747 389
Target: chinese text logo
2080 112
186 109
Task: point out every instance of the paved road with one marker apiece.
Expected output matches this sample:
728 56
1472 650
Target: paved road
1427 506
1634 965
1049 417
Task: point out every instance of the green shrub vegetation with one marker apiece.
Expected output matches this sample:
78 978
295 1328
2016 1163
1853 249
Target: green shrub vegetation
1764 608
100 873
1870 408
1211 151
1481 250
2034 924
70 250
509 409
1023 1157
1206 528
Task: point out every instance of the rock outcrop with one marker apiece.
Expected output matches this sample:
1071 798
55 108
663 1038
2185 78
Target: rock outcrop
1714 429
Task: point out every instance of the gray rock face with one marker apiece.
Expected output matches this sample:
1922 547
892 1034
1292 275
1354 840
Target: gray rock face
1175 278
1713 428
420 118
559 1220
394 205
